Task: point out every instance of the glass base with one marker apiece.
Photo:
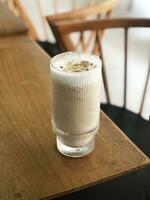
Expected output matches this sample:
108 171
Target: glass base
75 151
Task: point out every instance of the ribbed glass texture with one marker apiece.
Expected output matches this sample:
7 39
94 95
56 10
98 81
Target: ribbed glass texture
75 104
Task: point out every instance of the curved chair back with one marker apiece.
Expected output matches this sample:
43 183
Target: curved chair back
63 29
96 10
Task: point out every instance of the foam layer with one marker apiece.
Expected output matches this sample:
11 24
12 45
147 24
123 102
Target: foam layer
77 79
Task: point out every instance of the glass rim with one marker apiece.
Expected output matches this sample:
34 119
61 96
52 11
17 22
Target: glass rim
53 59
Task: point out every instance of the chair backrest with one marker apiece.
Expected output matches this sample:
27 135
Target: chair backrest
9 23
63 29
98 10
18 7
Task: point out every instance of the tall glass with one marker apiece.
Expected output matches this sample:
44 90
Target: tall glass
75 103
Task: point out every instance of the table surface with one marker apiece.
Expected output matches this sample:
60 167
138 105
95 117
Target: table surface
9 23
30 166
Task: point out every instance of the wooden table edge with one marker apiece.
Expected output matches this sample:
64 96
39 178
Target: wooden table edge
140 151
135 168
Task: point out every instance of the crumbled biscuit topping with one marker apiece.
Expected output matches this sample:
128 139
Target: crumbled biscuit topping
78 67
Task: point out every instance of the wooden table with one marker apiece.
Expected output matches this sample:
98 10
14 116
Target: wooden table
30 166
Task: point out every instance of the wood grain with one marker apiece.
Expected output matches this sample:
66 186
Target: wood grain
9 23
82 25
30 166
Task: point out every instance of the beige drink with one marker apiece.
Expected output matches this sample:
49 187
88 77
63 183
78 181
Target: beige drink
76 82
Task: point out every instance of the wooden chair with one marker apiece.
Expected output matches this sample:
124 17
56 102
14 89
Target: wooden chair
97 10
135 127
10 24
52 48
18 8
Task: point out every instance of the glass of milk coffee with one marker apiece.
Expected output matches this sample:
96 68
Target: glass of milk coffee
75 94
